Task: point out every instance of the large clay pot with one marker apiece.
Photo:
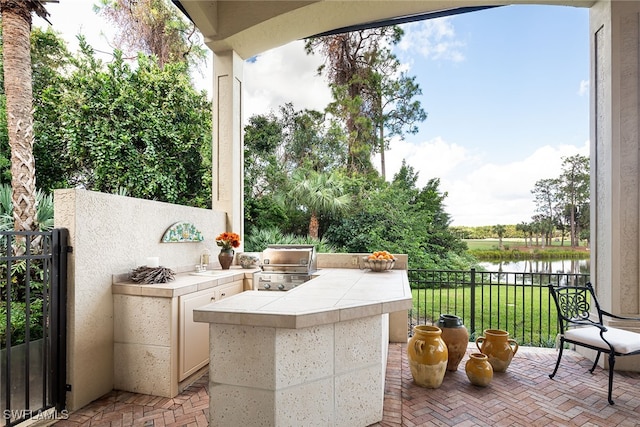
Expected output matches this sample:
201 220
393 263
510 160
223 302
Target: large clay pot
498 347
427 354
225 257
456 337
479 370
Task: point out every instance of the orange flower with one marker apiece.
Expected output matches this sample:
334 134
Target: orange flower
228 240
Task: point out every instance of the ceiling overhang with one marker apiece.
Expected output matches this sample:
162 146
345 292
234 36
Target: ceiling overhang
250 27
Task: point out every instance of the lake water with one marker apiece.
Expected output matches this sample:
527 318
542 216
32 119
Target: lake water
539 266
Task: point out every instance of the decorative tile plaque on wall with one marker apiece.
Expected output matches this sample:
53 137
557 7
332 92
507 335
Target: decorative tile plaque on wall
182 232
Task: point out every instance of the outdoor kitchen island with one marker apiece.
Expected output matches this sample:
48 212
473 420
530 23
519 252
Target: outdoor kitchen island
315 355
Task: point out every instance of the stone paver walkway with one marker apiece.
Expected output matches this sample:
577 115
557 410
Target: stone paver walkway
522 396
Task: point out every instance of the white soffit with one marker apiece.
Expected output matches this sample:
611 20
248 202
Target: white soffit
254 26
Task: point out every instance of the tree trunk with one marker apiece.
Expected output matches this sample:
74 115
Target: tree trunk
16 29
314 226
382 160
573 227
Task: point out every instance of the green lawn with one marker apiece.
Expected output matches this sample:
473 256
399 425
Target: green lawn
526 312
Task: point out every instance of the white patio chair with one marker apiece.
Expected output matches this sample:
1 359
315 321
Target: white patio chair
580 326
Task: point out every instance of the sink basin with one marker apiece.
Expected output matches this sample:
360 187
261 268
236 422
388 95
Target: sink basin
209 273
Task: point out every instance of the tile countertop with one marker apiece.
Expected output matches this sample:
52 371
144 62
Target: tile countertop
184 283
334 295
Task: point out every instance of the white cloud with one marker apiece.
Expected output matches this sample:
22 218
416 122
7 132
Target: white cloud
584 88
480 193
434 39
434 158
285 74
73 17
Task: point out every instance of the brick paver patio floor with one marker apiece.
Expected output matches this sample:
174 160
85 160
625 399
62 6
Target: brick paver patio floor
522 396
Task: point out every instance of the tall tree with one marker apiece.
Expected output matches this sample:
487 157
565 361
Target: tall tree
547 199
50 62
394 107
154 27
310 140
366 85
263 170
574 190
500 230
525 228
16 31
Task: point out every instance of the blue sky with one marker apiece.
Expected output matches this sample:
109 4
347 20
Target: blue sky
511 81
505 90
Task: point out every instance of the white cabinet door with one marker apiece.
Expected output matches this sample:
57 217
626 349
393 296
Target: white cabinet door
194 336
193 348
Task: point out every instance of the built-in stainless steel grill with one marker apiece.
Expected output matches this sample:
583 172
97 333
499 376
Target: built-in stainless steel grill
284 267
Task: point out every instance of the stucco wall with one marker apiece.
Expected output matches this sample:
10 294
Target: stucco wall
110 235
615 165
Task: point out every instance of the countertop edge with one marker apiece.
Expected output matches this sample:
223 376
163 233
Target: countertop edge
184 283
380 294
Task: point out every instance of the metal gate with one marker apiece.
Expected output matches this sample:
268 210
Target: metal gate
33 301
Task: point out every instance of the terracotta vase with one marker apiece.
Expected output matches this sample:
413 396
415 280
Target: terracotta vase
456 337
427 354
479 370
498 347
225 257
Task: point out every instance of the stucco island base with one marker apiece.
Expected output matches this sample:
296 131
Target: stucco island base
315 355
325 375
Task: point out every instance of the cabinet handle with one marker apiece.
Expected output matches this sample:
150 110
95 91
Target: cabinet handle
222 294
213 298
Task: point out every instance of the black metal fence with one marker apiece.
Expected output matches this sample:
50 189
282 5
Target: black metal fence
33 325
516 302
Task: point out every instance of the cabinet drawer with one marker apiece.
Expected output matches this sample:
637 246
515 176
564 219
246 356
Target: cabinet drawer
225 291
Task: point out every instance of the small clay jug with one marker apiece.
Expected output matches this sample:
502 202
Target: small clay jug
427 354
479 370
498 347
456 336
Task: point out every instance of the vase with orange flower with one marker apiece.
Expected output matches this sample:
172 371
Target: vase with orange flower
227 242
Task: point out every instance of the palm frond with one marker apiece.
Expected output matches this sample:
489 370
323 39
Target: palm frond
44 211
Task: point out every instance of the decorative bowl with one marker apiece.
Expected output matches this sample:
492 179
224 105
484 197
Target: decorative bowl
248 261
378 265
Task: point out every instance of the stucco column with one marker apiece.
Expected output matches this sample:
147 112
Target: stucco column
227 145
615 162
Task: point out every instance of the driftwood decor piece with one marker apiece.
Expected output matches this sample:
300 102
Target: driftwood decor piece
148 275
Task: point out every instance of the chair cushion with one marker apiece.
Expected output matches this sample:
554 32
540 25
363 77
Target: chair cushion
623 342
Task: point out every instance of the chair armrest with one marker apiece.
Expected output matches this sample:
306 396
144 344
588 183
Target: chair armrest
588 323
615 316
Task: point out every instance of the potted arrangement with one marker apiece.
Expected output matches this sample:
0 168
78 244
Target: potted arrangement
227 242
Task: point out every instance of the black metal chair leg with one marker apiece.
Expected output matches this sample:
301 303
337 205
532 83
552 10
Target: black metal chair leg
595 363
612 361
559 357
